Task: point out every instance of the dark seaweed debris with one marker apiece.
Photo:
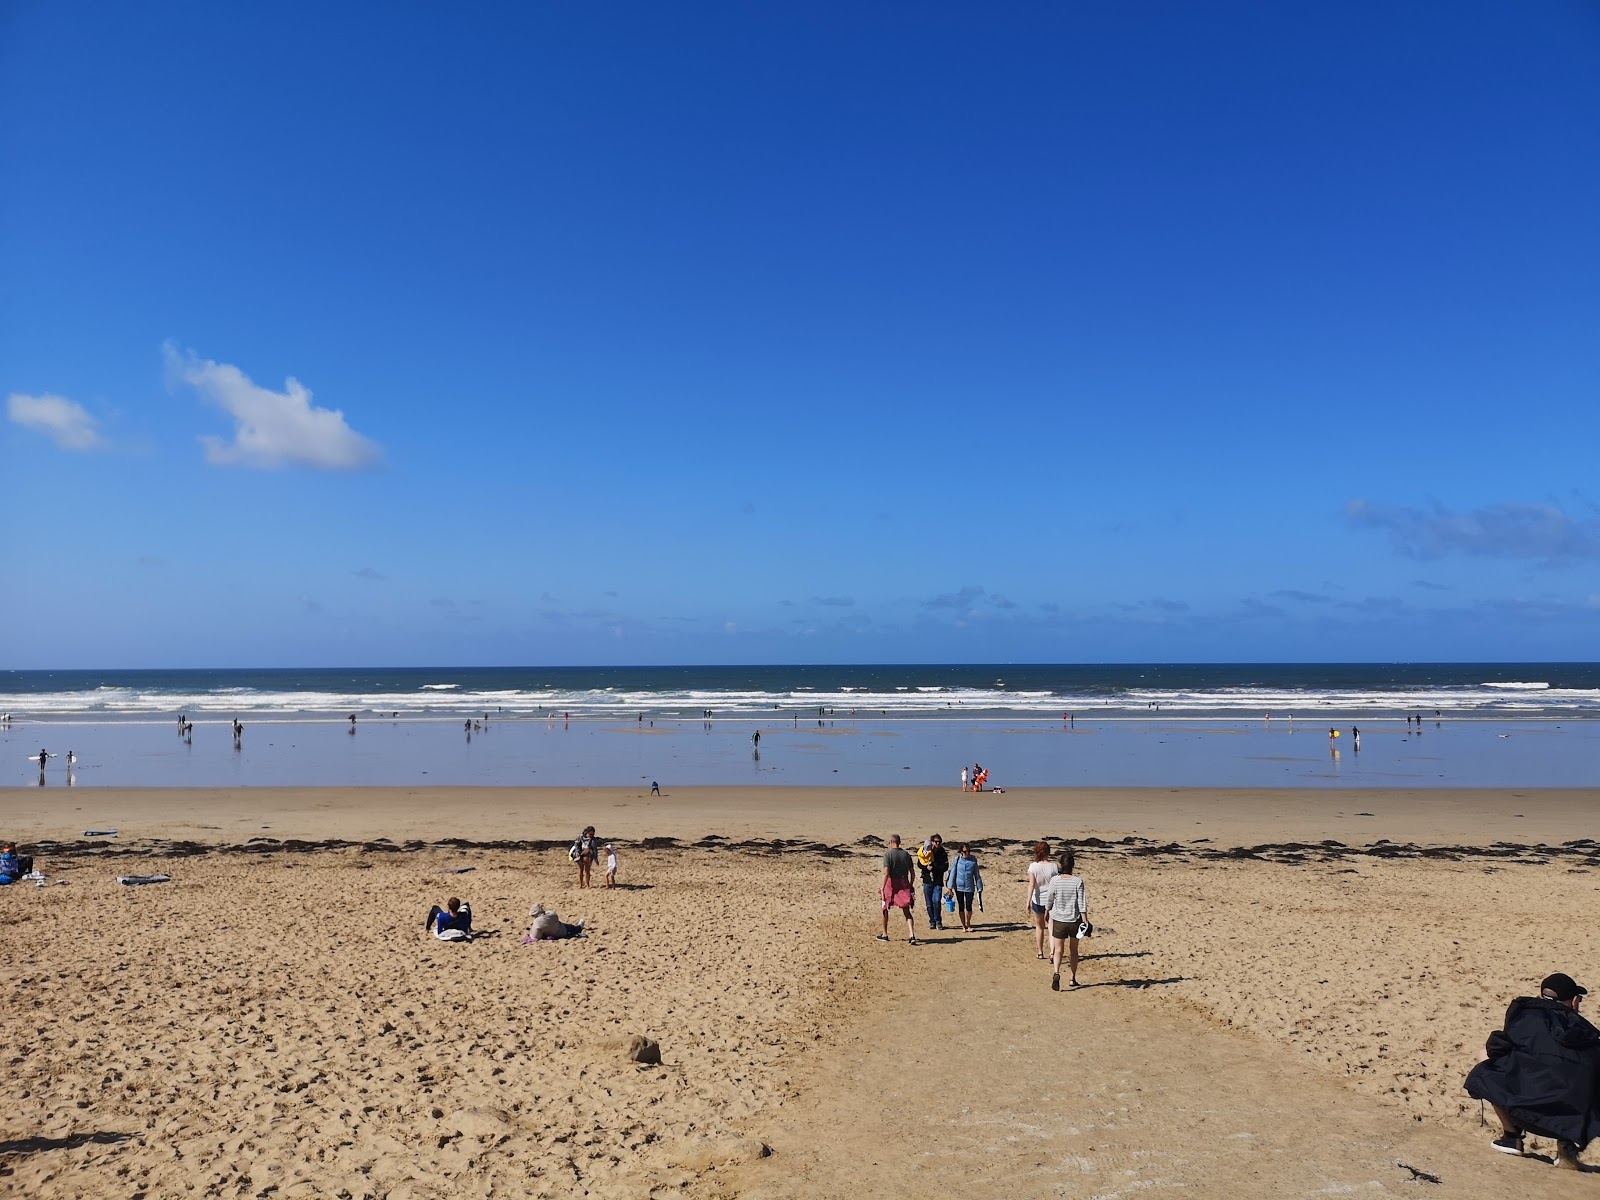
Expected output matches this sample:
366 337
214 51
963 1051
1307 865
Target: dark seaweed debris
1581 853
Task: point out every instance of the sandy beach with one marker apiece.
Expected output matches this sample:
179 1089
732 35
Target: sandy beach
1284 993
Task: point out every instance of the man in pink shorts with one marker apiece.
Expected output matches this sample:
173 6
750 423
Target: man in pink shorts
897 891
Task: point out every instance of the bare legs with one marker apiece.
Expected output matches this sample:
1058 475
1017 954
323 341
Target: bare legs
1070 945
911 925
1039 919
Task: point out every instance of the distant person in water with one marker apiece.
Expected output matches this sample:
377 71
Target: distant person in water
44 757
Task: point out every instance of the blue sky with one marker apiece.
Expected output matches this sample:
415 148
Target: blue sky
755 333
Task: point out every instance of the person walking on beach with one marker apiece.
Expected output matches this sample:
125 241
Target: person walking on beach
611 865
1068 906
963 779
1355 738
896 889
1040 872
583 854
655 787
934 864
966 881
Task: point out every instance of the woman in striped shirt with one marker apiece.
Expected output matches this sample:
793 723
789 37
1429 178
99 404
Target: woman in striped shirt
1064 897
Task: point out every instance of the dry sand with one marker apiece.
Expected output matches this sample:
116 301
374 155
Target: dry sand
1288 1020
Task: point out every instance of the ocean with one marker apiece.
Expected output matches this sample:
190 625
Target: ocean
1000 690
1497 725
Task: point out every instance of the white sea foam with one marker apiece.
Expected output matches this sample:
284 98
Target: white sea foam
1515 699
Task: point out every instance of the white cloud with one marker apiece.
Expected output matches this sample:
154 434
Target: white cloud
62 420
274 429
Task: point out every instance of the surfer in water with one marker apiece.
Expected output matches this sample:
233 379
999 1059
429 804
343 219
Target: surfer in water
44 757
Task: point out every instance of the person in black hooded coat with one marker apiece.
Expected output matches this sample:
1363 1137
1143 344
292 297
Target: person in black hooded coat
1542 1073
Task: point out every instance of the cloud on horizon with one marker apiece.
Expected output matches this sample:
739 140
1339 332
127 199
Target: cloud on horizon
1301 597
369 573
834 601
1511 529
63 421
272 429
965 598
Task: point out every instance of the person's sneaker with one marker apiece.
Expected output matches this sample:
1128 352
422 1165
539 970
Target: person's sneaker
1508 1143
1567 1156
1055 982
882 937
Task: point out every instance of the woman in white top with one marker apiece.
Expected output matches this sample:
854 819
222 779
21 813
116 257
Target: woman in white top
1065 899
1040 872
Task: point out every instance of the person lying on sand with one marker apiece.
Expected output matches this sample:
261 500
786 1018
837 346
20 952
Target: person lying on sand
549 927
1542 1072
452 923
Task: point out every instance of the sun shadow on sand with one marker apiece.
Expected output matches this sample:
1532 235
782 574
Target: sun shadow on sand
1548 1160
1135 983
38 1145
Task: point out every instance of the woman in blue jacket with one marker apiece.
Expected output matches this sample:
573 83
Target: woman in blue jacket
966 881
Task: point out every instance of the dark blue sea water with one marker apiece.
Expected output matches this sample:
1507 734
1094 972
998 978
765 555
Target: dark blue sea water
1502 690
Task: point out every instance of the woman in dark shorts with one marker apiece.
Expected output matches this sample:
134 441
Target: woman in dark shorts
965 881
1067 904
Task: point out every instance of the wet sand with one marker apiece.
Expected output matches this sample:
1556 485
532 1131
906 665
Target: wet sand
1231 816
1266 1013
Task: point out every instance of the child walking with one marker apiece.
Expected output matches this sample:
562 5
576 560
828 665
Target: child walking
611 865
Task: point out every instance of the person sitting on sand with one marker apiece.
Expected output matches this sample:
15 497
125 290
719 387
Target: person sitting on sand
1542 1072
13 866
452 923
966 881
896 888
549 927
1063 897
